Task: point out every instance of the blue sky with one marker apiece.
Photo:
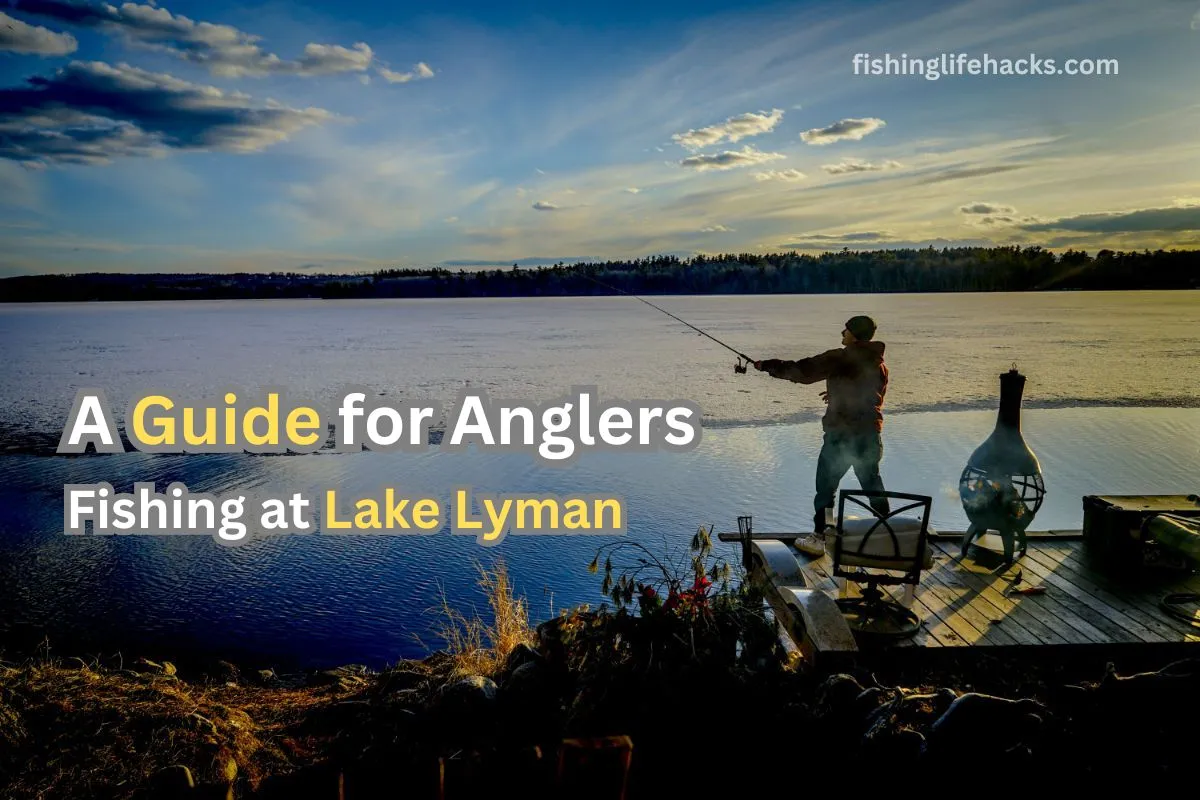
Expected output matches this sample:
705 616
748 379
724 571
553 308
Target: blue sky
216 136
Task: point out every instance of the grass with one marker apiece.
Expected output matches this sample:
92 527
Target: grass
478 647
72 728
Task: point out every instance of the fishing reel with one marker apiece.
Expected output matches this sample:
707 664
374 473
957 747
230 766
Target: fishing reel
740 367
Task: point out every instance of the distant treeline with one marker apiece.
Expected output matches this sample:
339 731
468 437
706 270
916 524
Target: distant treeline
964 269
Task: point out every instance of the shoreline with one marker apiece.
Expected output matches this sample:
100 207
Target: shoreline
513 711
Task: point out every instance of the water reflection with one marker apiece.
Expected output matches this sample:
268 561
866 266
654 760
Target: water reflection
312 599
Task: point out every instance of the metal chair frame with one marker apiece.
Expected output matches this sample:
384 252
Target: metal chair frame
872 604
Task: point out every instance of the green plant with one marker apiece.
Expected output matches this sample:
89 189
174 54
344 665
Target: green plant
688 590
681 609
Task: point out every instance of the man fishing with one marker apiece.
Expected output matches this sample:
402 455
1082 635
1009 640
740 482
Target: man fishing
856 380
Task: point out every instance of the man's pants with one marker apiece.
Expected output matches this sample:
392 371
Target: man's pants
840 452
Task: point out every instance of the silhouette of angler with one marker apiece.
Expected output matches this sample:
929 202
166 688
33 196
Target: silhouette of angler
856 381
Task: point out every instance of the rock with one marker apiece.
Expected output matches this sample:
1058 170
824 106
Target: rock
521 654
869 700
202 724
239 719
224 672
549 636
525 676
345 678
529 685
467 702
171 782
474 688
976 721
530 697
839 692
907 745
401 679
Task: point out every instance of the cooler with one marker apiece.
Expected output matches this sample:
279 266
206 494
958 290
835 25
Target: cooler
1113 532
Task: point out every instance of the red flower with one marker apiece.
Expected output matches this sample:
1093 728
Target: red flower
672 601
648 599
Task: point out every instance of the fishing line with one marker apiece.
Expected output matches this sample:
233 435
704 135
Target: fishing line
739 368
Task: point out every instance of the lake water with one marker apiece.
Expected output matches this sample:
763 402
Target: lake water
1112 406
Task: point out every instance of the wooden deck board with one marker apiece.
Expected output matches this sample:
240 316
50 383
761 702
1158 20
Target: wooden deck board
1082 604
986 606
1138 602
1048 565
1067 606
1043 623
959 599
980 612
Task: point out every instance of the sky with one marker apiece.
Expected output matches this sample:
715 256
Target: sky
184 136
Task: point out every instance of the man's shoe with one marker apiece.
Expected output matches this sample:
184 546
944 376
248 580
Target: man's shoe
812 545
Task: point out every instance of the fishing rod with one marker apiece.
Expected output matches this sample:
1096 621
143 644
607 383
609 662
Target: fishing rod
738 368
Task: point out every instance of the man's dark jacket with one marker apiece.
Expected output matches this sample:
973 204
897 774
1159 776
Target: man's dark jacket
856 381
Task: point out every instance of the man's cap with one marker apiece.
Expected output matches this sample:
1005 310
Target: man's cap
862 327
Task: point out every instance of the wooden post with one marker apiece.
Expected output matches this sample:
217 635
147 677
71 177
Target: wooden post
583 753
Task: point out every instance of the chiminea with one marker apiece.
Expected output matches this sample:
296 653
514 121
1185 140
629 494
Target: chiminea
1001 487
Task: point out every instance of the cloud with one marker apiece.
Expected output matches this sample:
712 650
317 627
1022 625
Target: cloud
1196 22
986 208
1001 216
850 165
420 71
716 229
730 159
846 129
733 129
20 37
330 59
855 236
789 175
871 240
542 205
633 190
90 112
994 214
222 49
974 172
1006 219
77 145
1174 218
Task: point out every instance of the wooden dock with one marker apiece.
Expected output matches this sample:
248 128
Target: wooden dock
969 602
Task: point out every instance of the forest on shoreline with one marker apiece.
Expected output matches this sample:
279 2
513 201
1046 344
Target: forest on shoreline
967 269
